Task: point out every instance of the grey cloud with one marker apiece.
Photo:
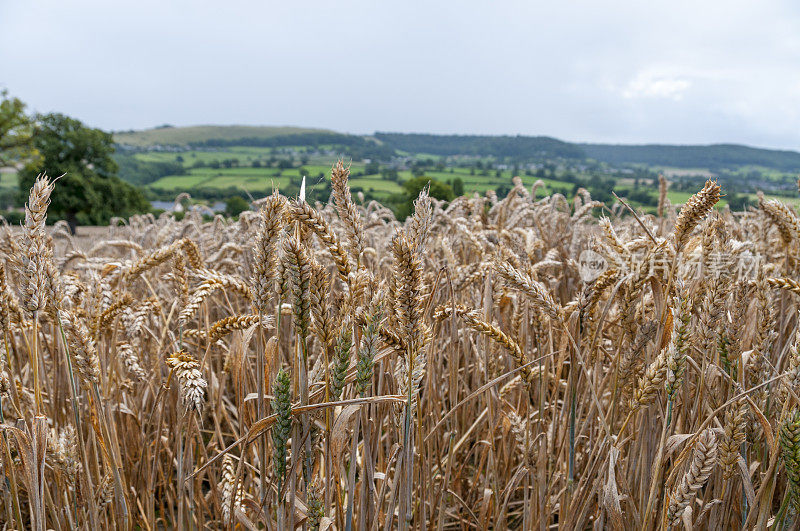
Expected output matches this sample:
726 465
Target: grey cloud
613 71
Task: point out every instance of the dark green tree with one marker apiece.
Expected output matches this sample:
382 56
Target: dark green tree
236 205
458 187
390 174
438 189
404 203
372 168
16 130
89 191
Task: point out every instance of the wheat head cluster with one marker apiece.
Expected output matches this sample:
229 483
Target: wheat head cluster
329 367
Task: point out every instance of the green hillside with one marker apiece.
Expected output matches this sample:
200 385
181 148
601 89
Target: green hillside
182 136
712 157
516 149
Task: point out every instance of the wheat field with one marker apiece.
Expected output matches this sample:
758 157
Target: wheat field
487 364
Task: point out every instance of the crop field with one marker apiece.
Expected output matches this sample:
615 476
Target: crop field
509 364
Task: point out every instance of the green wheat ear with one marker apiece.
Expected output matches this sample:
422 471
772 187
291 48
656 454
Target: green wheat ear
369 348
315 509
341 362
790 452
282 406
676 360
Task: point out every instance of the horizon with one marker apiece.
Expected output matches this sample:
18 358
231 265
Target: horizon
676 73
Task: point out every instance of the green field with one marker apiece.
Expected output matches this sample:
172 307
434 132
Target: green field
8 181
262 179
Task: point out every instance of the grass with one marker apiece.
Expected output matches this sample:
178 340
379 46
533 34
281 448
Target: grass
9 180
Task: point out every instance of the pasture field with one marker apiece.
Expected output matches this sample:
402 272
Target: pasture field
9 180
261 179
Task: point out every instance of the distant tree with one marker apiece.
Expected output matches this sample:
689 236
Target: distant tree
256 163
179 159
458 187
236 205
141 172
16 130
390 174
90 191
372 168
214 164
738 201
404 203
285 164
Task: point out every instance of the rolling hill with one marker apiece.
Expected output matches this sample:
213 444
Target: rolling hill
383 146
184 136
482 146
712 157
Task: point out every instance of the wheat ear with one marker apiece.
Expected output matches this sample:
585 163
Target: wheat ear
700 468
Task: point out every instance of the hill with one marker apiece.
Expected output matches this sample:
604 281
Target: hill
183 136
712 157
383 146
525 148
515 147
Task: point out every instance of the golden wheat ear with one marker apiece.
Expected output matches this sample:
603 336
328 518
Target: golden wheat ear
702 464
693 211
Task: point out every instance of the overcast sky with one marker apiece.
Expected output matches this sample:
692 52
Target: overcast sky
601 71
